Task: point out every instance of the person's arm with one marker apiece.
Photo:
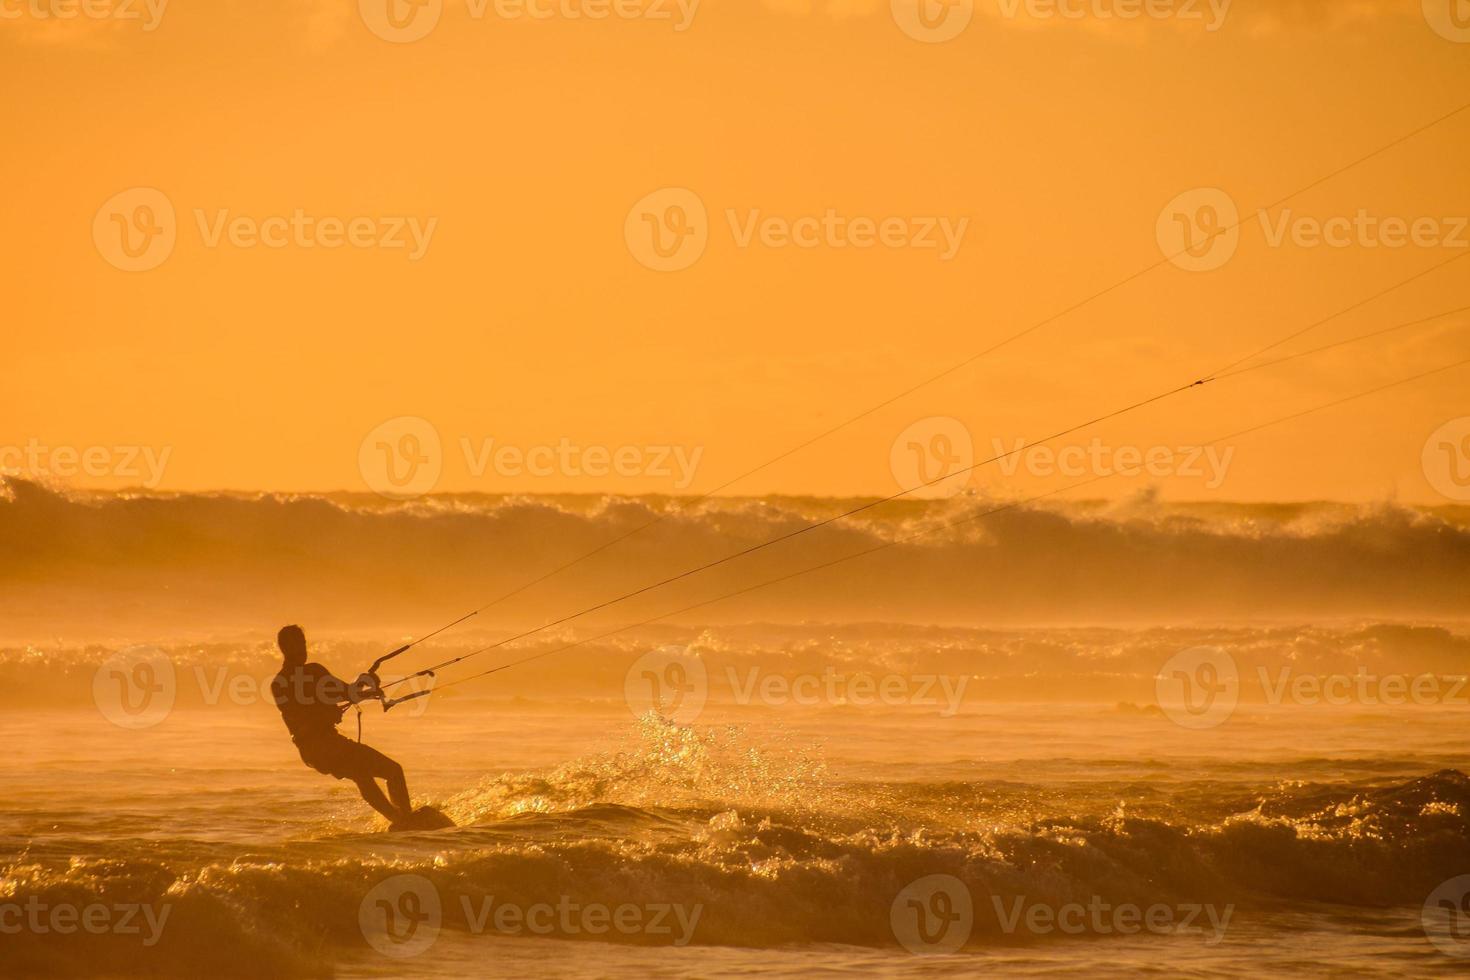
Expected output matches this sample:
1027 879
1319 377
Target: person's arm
334 690
365 688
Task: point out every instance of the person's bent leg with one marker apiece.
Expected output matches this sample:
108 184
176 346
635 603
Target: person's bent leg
375 798
392 773
397 786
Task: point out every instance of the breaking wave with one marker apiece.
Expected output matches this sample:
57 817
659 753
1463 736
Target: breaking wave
168 565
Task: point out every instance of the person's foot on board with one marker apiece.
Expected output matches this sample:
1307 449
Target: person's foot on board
424 818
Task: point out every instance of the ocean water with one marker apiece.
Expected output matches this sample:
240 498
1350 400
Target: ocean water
1241 762
1293 837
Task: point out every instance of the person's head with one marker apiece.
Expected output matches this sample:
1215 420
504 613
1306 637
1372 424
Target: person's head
292 641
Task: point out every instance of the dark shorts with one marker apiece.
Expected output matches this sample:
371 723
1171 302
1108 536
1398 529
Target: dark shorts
337 755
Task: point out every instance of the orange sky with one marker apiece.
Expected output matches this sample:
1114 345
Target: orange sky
519 146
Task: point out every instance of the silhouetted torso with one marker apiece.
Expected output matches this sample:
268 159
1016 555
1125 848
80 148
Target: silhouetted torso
308 697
